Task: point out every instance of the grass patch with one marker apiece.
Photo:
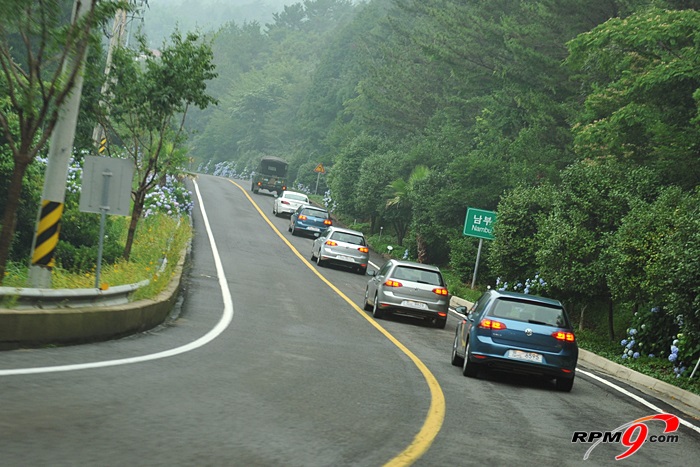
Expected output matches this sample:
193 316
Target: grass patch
459 288
158 244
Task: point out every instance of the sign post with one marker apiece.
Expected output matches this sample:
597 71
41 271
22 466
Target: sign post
106 189
479 223
319 170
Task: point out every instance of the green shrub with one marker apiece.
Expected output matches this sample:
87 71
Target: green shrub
458 288
462 257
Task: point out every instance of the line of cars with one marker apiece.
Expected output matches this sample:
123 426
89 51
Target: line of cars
332 244
506 331
402 288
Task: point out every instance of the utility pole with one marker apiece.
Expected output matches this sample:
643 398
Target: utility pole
60 151
54 193
118 29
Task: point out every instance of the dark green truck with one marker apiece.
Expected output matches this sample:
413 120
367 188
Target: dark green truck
271 175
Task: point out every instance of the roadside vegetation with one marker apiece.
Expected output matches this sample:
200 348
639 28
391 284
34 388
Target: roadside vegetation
154 255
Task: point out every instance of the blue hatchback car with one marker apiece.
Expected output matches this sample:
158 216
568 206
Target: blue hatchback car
517 332
309 220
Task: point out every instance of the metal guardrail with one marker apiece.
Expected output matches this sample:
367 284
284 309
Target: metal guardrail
19 298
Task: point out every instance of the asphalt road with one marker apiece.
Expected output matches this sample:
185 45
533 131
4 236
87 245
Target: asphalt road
271 361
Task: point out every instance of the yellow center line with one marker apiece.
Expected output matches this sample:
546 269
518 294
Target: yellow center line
436 412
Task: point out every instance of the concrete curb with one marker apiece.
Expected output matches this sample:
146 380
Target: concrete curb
63 326
683 400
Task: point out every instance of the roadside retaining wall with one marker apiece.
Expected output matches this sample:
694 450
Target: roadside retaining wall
36 327
20 298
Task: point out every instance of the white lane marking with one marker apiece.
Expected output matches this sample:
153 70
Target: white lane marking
223 323
635 397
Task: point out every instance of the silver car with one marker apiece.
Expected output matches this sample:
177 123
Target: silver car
343 247
288 202
409 289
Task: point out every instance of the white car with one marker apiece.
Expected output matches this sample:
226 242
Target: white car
288 202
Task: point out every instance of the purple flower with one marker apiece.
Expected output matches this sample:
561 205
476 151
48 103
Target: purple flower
674 349
672 357
636 355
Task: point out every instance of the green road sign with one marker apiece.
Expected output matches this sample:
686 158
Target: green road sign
479 223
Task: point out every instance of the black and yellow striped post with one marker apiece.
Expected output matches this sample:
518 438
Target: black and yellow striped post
58 161
47 232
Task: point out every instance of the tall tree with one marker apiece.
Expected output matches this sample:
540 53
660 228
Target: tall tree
513 251
342 179
38 81
370 197
150 99
595 195
641 78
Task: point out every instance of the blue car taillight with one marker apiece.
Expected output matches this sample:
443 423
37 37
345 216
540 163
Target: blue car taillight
564 336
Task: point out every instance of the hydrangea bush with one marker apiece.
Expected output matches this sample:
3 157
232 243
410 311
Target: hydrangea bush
328 201
300 187
172 198
534 286
655 333
224 169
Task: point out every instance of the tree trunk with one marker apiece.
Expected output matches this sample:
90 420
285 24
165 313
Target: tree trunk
9 219
135 216
400 229
611 326
580 321
422 250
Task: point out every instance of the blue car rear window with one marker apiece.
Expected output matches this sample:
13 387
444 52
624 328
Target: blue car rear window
315 213
529 313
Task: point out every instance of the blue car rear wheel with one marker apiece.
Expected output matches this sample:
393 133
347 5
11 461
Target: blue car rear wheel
469 368
565 384
456 359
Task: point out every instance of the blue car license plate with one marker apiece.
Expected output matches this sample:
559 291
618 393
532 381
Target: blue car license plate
527 356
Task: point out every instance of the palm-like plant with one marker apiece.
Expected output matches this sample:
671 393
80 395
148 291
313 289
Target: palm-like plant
400 200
